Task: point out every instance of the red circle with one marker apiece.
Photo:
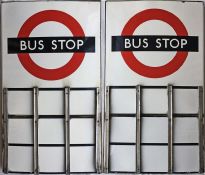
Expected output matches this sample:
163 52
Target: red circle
71 24
160 71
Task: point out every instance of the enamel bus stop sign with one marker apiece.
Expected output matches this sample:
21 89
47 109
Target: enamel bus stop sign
51 44
154 86
154 43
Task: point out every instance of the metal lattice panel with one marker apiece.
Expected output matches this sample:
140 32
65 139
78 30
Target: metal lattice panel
36 120
170 147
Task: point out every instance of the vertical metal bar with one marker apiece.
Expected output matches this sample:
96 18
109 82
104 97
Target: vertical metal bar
170 129
200 120
107 130
5 131
35 130
98 131
67 129
138 129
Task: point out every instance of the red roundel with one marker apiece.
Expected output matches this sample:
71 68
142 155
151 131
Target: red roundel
46 16
160 71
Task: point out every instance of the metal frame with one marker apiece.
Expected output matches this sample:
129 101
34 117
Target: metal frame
138 129
170 115
170 129
67 117
5 131
201 130
35 131
67 129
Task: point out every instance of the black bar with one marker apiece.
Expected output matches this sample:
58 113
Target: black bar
155 43
51 45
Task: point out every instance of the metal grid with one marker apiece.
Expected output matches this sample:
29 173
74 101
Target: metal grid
138 115
67 117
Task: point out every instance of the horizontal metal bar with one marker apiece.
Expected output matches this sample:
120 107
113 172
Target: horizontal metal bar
154 115
192 172
124 172
20 89
23 172
20 172
79 145
51 172
63 116
51 116
50 145
116 172
20 144
121 143
94 88
20 116
91 172
185 87
71 89
154 172
82 116
152 144
36 1
54 89
166 144
122 115
112 143
154 87
185 115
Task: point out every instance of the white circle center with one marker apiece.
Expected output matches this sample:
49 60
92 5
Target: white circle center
51 60
154 58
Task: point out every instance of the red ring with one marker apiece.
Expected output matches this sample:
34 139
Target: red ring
71 24
160 71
